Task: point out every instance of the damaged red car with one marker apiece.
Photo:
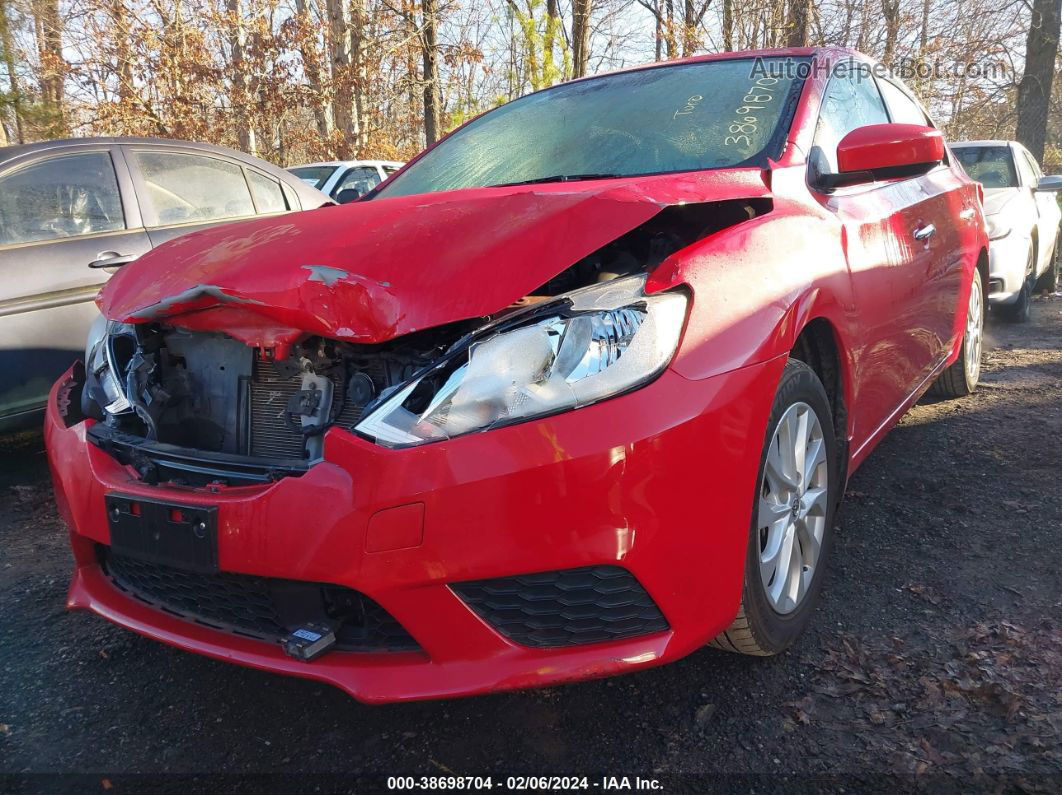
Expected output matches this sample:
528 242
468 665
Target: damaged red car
575 393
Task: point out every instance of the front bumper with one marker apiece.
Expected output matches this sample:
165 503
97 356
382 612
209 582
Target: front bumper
659 482
1007 260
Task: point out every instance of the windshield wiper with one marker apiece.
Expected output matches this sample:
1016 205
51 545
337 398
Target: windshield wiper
555 178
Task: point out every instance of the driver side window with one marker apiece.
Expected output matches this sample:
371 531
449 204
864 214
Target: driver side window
851 101
362 178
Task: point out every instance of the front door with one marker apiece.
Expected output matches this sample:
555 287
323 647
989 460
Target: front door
58 213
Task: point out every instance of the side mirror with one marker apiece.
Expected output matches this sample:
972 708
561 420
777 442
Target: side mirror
885 151
1050 184
348 195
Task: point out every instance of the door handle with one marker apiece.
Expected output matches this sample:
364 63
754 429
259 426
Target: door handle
108 259
925 232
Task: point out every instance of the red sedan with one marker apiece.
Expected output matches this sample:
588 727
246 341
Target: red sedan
575 393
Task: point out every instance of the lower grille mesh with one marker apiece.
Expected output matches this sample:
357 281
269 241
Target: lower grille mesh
257 607
565 608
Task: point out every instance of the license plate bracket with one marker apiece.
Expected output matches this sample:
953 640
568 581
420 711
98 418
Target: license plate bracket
182 536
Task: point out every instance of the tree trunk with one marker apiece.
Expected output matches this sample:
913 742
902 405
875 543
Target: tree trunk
580 37
728 25
7 49
430 71
360 73
49 28
669 29
123 67
798 23
240 99
1034 90
342 79
890 12
311 66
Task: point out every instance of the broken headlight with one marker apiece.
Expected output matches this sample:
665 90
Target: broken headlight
103 377
591 344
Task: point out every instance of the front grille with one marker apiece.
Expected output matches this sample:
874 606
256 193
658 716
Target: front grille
257 607
565 608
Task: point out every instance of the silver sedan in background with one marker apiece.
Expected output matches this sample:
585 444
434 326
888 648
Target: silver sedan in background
72 212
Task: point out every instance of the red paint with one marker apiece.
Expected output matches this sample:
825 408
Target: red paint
660 481
886 146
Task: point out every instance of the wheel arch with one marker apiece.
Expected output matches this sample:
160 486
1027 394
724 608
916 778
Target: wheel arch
818 345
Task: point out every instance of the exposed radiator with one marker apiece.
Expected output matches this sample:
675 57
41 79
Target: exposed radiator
270 435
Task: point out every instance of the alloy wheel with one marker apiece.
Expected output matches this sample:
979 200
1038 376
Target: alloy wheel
793 505
975 322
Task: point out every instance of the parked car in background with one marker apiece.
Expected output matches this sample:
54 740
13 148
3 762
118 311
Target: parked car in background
356 177
72 212
572 409
1023 222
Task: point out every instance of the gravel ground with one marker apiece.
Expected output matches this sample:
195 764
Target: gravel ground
935 659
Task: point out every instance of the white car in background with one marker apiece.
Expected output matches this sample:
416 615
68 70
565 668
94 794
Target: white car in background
1023 216
356 177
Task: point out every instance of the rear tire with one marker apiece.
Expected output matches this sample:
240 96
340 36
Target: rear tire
786 557
1048 281
960 379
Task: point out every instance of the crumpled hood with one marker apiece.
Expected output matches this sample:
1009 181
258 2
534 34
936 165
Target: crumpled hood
996 199
369 272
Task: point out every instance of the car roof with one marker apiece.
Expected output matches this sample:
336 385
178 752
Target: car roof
983 143
43 146
337 163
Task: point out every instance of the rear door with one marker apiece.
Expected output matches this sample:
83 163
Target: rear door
181 191
58 213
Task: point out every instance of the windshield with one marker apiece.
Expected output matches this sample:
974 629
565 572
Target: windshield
314 176
992 166
713 114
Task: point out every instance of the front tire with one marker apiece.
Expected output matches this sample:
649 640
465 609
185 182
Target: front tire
961 377
793 511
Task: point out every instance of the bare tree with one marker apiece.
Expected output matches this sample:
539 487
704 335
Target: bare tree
580 36
7 49
238 67
1034 90
430 57
48 27
799 20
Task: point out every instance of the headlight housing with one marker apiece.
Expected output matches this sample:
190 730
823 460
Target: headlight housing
103 378
589 345
997 227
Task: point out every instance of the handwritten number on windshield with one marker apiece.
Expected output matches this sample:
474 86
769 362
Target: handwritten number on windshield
746 122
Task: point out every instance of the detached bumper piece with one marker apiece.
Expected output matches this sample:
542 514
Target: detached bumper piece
258 607
565 608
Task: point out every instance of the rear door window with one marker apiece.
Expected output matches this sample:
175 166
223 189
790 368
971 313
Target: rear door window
268 197
66 196
186 189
